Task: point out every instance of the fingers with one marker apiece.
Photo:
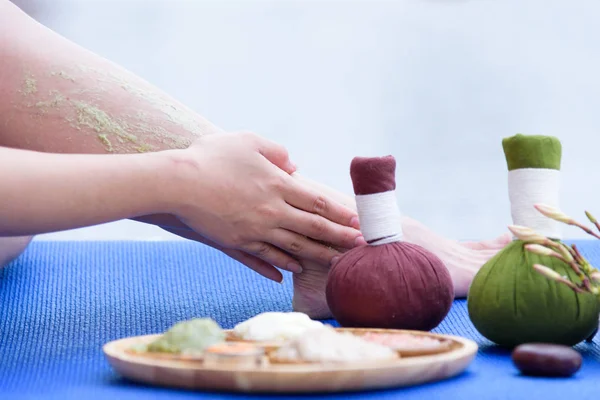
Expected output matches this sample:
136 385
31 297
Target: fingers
276 154
273 256
340 197
303 248
319 228
300 196
256 264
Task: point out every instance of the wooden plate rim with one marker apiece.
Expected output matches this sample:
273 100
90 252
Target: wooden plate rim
113 350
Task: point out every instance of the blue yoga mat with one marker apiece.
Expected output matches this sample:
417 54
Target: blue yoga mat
61 301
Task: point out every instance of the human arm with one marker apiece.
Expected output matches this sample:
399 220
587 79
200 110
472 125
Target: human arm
60 97
56 96
43 192
49 192
49 82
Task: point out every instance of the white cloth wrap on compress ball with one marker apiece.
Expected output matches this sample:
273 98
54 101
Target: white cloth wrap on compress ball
379 217
530 186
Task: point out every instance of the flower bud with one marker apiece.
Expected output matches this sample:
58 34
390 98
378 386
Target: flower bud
565 253
590 217
595 277
526 234
541 250
554 213
548 273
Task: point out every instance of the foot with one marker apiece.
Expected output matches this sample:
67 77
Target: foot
309 290
463 260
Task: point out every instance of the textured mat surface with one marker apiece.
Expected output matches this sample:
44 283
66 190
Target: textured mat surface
60 302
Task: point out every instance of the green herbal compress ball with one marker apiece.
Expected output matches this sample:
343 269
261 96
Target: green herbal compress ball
508 301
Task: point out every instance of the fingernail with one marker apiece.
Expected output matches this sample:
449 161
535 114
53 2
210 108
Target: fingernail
334 260
293 267
360 241
293 166
355 223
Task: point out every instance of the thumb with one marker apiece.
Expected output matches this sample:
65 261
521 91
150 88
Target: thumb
276 154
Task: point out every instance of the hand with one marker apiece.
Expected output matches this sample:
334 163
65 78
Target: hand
173 225
254 263
240 196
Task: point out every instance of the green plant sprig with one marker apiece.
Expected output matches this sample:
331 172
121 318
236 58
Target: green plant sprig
588 275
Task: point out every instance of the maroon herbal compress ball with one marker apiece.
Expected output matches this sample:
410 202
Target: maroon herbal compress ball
387 283
397 286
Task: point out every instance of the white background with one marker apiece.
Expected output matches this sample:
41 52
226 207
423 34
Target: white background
437 84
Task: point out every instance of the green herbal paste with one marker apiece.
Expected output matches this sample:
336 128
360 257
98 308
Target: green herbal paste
115 133
191 336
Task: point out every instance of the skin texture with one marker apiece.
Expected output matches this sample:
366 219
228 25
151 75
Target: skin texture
84 184
60 98
71 191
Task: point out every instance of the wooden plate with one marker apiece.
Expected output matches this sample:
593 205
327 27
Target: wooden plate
172 371
445 343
